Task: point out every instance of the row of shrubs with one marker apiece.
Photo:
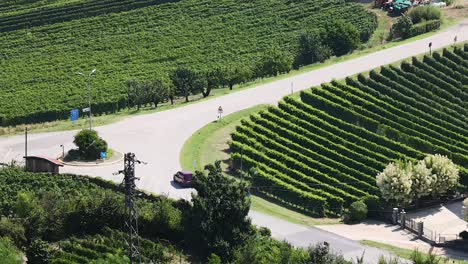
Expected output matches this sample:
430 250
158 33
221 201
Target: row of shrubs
409 136
306 144
416 129
370 152
419 20
332 194
296 170
448 106
329 139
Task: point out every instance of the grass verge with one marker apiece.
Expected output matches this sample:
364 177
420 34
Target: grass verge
209 144
403 252
372 46
263 206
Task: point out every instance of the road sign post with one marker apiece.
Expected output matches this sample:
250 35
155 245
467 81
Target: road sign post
74 115
220 112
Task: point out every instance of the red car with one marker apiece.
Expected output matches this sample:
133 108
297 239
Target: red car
184 178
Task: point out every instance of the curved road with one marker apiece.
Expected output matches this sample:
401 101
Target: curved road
158 138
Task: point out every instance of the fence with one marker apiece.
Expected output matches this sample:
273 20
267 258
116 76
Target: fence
430 236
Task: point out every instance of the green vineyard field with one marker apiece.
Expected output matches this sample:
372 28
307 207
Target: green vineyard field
43 47
322 152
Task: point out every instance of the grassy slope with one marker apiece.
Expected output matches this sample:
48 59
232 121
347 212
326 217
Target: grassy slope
209 144
402 252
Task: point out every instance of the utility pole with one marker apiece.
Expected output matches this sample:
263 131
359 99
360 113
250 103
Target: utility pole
26 148
26 142
131 224
89 94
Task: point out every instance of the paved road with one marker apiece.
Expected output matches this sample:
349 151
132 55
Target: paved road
158 138
303 236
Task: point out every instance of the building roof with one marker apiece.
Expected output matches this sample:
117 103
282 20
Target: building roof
54 161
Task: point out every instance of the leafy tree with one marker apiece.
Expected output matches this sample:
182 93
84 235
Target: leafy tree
444 172
187 81
91 214
422 181
14 230
423 13
405 182
163 219
157 91
312 48
25 204
8 253
136 93
320 254
395 182
213 259
273 63
262 249
219 216
402 27
233 75
342 37
39 252
213 81
358 211
259 249
89 144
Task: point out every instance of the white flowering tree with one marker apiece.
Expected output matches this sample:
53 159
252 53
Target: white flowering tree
404 182
395 182
422 180
444 172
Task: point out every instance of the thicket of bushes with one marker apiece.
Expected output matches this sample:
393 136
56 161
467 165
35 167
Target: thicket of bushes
419 20
75 218
90 144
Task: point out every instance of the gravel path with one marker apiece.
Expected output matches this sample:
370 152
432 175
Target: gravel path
158 138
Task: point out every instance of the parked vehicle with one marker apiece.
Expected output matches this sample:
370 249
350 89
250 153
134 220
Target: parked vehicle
184 178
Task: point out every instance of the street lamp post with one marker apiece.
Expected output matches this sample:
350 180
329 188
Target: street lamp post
89 94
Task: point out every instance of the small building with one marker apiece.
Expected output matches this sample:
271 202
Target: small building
42 164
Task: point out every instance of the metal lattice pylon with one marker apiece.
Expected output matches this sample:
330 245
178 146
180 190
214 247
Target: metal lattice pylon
131 223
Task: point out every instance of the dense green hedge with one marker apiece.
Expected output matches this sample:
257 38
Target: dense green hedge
423 27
